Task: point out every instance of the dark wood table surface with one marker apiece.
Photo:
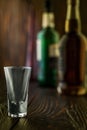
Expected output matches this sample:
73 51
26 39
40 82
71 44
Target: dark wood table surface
47 111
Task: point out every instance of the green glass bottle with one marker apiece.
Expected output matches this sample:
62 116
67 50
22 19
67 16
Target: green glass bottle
72 66
47 50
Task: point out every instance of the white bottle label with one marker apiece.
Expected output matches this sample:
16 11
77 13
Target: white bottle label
38 49
53 50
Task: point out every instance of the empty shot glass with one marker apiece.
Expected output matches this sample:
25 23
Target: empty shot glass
17 82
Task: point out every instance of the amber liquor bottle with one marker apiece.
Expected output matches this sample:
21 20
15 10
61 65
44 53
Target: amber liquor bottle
72 54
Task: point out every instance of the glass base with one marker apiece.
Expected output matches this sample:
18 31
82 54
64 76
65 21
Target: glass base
17 115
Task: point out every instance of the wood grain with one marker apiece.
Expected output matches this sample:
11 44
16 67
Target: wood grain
48 111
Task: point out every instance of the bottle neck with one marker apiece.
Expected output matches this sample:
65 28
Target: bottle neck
48 20
72 22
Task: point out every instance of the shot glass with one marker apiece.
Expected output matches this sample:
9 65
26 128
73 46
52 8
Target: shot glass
17 83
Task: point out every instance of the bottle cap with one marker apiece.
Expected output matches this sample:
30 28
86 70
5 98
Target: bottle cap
48 20
73 2
48 15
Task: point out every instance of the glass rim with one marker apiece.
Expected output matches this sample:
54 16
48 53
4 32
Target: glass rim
17 67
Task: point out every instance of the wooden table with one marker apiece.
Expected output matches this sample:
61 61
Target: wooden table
48 111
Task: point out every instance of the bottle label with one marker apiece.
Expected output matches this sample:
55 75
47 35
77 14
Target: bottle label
61 62
53 50
38 49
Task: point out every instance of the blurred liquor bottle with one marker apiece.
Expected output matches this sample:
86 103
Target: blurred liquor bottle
47 49
72 54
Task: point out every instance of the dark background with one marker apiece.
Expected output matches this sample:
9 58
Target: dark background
14 25
19 23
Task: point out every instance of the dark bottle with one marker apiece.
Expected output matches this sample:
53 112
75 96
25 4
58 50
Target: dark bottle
72 54
47 50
